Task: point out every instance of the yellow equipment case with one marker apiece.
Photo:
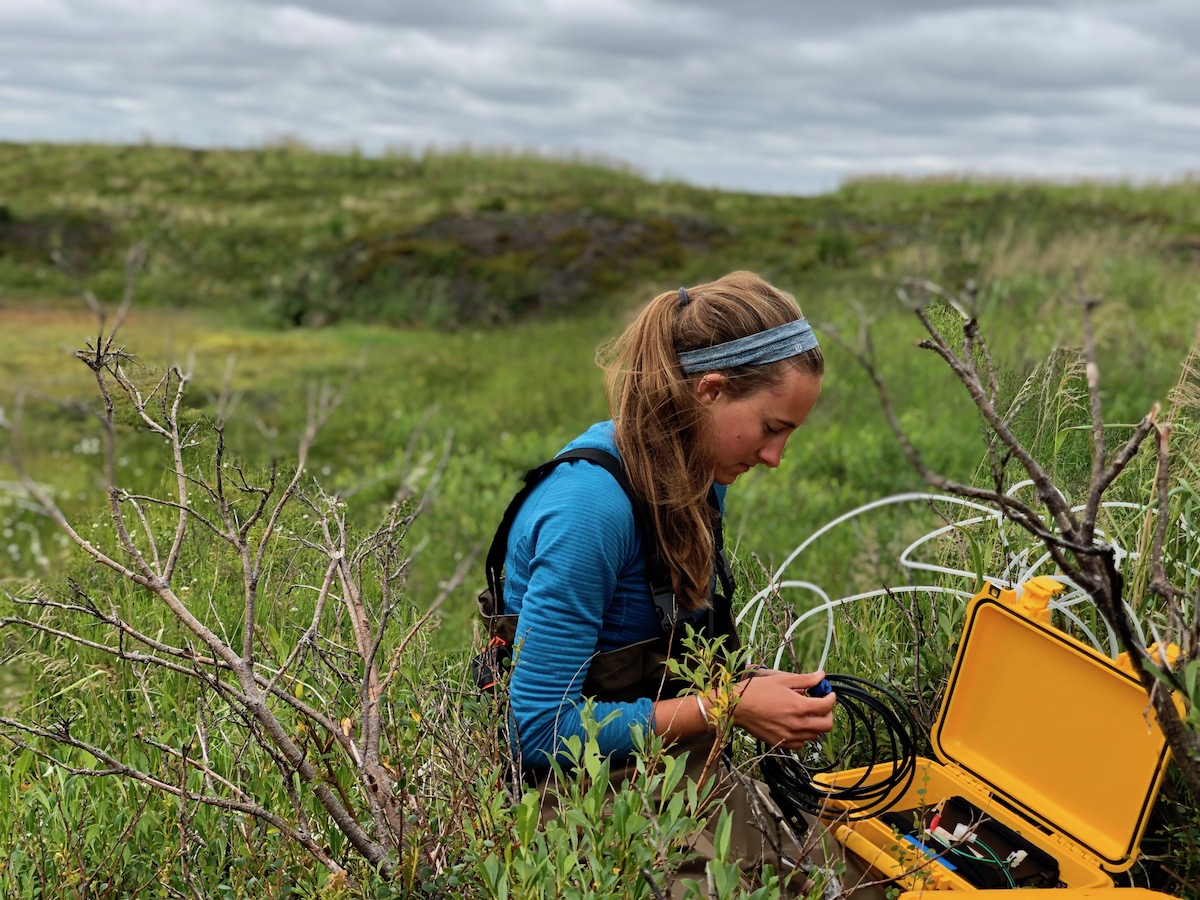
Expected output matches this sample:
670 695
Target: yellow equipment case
1049 758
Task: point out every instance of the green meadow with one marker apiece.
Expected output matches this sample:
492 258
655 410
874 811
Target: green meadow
458 301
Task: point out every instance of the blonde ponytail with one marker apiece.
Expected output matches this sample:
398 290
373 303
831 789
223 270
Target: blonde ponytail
662 428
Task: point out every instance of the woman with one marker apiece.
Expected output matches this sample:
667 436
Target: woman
706 383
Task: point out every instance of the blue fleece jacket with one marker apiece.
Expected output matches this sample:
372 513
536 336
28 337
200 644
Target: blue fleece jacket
576 578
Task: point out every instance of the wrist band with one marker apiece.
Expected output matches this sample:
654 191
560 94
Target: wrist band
703 711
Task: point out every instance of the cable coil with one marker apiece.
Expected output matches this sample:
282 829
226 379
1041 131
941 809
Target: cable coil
881 729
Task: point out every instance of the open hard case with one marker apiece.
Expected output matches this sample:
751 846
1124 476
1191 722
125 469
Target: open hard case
1049 758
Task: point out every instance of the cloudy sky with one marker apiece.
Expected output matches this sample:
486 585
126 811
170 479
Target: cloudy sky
781 96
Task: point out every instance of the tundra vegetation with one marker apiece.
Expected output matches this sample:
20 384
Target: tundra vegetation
244 495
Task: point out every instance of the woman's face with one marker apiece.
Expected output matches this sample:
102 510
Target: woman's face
754 429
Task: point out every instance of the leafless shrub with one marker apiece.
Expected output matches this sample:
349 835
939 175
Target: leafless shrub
1069 533
296 682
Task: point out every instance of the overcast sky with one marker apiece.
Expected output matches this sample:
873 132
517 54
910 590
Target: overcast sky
778 96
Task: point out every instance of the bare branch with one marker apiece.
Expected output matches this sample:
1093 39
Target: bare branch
308 714
1071 543
1055 503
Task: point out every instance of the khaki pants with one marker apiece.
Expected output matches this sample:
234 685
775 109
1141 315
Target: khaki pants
759 835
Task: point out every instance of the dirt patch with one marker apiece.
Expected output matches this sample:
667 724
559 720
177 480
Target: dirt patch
499 266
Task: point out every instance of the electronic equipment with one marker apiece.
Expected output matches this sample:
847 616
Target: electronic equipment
984 852
1048 760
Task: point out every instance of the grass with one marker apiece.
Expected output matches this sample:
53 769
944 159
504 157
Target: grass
242 244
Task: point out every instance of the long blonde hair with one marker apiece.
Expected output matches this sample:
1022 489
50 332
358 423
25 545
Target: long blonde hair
662 428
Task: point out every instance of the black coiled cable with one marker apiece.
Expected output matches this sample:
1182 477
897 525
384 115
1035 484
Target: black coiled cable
881 729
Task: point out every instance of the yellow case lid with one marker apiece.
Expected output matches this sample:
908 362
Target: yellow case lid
1063 734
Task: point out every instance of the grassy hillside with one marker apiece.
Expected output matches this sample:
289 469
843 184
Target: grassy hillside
286 236
302 237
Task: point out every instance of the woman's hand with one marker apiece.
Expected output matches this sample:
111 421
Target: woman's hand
775 708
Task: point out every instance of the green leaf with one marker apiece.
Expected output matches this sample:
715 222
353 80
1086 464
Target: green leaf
723 835
1191 676
494 877
527 817
673 771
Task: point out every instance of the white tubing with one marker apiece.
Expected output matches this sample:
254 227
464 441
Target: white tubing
755 602
1019 562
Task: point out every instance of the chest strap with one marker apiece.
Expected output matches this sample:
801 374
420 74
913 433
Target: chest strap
658 576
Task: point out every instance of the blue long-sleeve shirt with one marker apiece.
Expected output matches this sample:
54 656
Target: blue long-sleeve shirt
576 578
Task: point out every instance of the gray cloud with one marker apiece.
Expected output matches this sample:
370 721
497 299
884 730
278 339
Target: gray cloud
768 96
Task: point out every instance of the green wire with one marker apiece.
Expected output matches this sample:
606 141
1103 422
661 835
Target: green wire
992 857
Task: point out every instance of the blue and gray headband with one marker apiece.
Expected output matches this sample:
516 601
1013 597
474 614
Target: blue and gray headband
781 342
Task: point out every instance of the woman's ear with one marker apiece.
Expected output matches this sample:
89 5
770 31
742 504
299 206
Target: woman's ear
710 387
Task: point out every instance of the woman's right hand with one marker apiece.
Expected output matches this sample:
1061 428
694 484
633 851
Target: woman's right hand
775 707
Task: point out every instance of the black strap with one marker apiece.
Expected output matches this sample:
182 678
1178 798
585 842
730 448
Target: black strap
721 562
720 612
658 575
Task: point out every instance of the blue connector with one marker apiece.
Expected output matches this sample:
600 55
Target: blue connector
821 689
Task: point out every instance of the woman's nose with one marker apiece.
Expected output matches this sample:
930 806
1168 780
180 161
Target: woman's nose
771 453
